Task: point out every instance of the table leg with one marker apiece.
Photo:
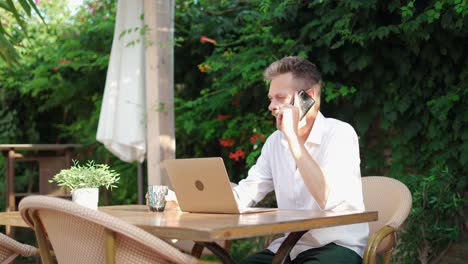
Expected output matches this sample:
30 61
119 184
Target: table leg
10 183
219 251
68 157
197 250
10 191
286 247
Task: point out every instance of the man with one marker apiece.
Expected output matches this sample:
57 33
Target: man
311 164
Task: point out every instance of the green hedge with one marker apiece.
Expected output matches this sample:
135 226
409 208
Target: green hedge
397 71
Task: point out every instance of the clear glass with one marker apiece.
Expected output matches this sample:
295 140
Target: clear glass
157 197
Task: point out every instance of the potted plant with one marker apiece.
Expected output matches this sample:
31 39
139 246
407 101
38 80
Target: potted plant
84 181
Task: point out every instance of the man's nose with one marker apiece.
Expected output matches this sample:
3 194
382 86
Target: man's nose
273 105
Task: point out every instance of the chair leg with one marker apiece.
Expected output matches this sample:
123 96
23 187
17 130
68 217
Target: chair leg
388 256
367 251
42 242
373 243
109 245
371 258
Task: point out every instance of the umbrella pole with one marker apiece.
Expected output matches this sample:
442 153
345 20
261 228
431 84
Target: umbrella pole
140 184
159 82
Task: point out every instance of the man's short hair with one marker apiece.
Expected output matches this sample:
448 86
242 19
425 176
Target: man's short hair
303 71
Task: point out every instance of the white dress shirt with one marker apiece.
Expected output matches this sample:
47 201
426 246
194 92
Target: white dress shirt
334 146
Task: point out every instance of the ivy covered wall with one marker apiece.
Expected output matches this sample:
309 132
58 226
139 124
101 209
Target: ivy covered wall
396 70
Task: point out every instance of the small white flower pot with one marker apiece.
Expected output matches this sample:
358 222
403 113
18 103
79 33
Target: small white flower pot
87 197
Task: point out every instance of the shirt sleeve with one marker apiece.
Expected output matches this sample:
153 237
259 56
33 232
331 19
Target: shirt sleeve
258 183
341 166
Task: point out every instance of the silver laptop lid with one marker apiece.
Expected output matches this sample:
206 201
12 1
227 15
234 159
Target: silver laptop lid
201 185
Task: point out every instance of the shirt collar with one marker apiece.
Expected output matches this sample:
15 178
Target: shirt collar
315 136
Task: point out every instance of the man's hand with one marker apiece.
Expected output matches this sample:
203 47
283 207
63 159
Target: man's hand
287 119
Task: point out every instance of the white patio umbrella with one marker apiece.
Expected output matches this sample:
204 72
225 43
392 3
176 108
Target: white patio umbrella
127 112
122 124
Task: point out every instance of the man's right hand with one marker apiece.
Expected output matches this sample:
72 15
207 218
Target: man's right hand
287 119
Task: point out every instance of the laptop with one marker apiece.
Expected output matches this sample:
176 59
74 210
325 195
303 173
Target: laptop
202 186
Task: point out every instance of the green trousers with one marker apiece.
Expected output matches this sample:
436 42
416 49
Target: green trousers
328 254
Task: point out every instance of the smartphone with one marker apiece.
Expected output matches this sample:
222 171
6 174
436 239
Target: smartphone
305 102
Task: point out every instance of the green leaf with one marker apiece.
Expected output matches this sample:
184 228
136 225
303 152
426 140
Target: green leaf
15 13
5 6
90 175
26 7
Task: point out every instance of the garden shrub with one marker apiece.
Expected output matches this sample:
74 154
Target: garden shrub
395 70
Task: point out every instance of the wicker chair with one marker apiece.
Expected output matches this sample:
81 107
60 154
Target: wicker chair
10 249
81 235
393 201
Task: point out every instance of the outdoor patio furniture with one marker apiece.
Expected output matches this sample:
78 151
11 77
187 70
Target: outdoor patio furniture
189 246
205 228
81 235
10 249
51 158
393 201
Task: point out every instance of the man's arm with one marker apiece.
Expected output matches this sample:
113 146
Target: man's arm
311 173
287 121
337 178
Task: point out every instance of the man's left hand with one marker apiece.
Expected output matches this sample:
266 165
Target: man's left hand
287 120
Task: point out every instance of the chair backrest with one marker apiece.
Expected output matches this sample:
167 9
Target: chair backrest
81 235
10 249
392 199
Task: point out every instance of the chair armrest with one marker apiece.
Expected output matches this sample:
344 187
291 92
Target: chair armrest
202 261
373 243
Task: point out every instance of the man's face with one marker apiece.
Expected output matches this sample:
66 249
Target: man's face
281 92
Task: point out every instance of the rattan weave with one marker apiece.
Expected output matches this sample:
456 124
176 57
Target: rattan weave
10 249
391 199
77 234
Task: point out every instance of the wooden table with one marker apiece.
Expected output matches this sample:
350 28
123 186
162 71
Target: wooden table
51 158
205 228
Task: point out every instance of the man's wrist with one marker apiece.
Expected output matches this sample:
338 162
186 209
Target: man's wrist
295 146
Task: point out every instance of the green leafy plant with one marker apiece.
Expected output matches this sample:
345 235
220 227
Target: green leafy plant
14 11
395 70
90 175
435 216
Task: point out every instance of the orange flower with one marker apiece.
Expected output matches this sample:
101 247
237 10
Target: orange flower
56 69
63 61
226 142
255 137
207 39
204 67
239 154
222 117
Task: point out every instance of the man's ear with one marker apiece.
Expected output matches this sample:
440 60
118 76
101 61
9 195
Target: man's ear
313 90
